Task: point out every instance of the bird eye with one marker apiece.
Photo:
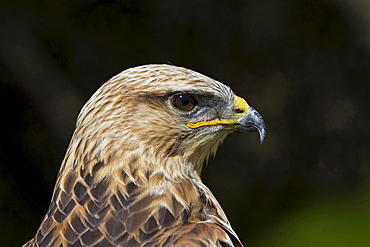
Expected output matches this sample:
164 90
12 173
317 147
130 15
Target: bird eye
184 102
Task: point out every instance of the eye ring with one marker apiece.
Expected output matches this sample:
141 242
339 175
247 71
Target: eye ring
184 102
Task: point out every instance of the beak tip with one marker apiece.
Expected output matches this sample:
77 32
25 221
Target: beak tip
253 118
262 135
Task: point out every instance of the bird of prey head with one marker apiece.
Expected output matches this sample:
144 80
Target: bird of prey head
131 174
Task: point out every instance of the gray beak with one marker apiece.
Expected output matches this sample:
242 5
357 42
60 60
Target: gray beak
252 121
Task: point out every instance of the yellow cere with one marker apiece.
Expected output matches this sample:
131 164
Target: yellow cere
239 103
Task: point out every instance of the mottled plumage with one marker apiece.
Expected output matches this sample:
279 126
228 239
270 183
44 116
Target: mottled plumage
131 174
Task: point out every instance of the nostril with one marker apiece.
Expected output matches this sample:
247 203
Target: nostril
238 110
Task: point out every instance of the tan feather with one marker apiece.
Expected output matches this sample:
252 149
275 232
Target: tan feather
131 174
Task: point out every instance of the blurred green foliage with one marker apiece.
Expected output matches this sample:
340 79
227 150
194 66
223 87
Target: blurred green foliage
340 221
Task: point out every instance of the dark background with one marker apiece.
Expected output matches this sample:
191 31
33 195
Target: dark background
303 64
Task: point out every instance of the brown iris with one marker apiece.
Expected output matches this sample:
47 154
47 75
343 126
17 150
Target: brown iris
184 102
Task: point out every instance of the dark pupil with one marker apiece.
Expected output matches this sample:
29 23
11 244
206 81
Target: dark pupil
184 102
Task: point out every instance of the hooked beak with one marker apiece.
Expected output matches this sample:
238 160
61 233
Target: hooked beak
245 119
252 121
